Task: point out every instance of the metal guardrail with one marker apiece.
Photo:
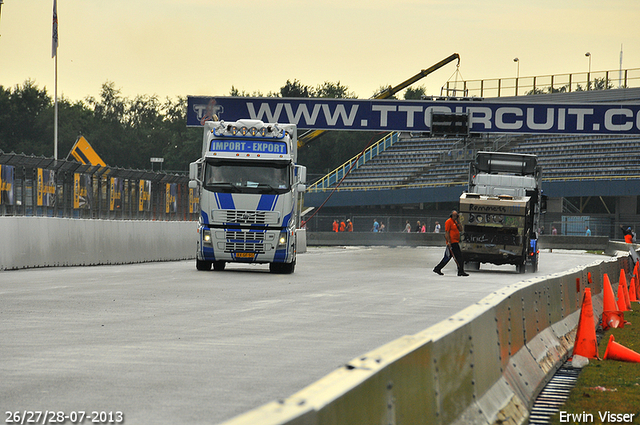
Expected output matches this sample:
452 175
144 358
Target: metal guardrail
357 161
41 186
518 86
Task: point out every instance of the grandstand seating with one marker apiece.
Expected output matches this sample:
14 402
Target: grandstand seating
420 161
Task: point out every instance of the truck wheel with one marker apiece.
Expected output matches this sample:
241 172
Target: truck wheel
203 265
522 268
282 268
288 268
534 264
218 266
474 265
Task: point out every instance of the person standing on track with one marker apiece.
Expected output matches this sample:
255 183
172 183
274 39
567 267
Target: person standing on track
452 229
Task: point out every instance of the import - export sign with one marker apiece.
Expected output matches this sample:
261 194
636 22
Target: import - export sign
415 115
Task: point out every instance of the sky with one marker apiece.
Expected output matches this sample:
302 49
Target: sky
171 48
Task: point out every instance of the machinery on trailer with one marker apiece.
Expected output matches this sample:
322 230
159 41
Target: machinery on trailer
500 212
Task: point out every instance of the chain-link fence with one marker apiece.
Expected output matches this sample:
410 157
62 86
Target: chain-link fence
40 186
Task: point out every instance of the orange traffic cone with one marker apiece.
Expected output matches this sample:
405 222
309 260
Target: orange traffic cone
635 283
611 316
586 344
622 304
625 290
613 319
633 295
608 297
621 353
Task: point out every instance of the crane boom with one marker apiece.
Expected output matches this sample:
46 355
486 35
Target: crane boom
312 134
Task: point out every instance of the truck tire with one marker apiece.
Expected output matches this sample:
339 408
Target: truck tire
282 268
203 265
534 264
218 266
522 267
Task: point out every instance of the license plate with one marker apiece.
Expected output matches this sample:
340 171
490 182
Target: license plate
245 254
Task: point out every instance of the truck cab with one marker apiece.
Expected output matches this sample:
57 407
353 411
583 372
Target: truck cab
249 187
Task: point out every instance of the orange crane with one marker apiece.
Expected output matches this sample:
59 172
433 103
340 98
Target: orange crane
312 134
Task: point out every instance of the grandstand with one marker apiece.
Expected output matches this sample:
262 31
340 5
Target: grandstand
418 176
419 161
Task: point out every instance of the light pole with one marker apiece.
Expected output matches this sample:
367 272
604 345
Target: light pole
589 73
517 61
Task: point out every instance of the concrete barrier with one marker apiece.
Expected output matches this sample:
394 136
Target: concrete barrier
437 239
483 365
374 239
44 241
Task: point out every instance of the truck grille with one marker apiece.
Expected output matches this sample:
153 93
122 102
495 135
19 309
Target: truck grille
245 237
244 241
240 246
246 217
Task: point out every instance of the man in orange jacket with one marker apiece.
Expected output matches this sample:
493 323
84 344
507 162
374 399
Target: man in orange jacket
452 229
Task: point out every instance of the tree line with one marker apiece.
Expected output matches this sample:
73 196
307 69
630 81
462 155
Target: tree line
127 132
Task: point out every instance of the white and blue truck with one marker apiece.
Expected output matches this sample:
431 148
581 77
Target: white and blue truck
250 193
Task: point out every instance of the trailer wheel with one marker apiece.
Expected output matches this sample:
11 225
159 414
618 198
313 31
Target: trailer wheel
203 265
218 266
534 263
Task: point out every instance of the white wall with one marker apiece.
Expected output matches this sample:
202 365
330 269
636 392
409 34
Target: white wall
44 241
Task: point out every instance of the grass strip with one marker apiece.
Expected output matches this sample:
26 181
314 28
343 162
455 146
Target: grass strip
607 389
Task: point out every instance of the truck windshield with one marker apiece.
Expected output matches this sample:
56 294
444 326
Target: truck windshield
247 176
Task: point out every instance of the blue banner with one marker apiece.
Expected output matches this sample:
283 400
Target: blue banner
249 146
415 115
7 177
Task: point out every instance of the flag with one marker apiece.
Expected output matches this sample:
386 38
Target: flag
54 36
84 153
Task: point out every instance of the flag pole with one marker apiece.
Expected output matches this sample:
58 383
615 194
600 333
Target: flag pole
1 2
54 52
55 112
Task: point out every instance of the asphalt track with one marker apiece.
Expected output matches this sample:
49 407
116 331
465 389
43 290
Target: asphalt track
164 343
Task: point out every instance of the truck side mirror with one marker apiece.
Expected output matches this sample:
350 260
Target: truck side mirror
193 171
301 174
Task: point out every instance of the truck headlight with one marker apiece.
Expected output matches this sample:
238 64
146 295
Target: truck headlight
206 237
282 240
